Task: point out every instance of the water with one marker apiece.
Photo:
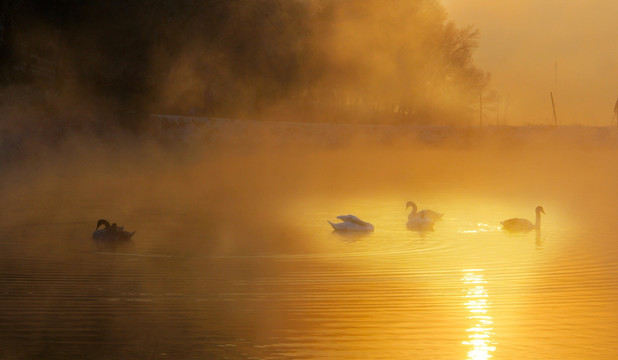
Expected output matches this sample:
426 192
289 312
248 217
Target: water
190 288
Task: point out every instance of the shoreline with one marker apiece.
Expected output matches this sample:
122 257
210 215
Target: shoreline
196 129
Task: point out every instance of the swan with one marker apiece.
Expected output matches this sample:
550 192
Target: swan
420 223
351 223
426 214
110 232
523 225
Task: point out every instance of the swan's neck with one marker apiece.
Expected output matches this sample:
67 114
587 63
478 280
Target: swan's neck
414 208
537 223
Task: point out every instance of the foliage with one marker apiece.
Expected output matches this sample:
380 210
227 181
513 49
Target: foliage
362 60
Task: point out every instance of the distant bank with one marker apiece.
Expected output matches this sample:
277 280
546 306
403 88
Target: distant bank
203 129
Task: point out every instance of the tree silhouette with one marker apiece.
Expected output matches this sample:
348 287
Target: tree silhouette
363 60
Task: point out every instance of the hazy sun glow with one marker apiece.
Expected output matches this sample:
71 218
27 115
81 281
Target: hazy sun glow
477 228
480 333
532 48
233 136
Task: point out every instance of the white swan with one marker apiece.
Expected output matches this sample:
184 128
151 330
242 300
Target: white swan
420 223
426 214
351 223
111 232
523 225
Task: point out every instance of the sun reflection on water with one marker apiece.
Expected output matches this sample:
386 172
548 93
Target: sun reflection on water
480 333
476 228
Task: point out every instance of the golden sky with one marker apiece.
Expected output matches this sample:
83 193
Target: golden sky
534 47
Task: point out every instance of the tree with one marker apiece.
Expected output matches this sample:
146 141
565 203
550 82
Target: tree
398 55
373 60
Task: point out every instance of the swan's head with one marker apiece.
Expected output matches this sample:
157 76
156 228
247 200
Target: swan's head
539 210
410 204
103 222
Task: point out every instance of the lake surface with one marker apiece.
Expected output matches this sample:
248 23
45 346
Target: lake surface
199 283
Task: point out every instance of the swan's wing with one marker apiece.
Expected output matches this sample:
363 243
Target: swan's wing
517 224
99 234
112 234
349 218
125 235
514 221
351 226
353 219
436 214
342 226
430 214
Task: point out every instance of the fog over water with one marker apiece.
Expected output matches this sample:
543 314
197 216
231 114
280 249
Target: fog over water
233 257
227 134
230 174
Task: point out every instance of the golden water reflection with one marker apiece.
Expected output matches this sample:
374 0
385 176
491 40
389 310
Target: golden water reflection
480 333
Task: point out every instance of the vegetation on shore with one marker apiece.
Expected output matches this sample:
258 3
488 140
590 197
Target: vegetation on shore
77 63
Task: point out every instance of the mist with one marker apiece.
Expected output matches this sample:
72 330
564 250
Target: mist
310 61
320 100
227 133
79 94
82 100
532 48
231 192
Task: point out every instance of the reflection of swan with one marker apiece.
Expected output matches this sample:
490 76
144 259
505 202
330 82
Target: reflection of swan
426 214
420 223
110 232
351 223
522 225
